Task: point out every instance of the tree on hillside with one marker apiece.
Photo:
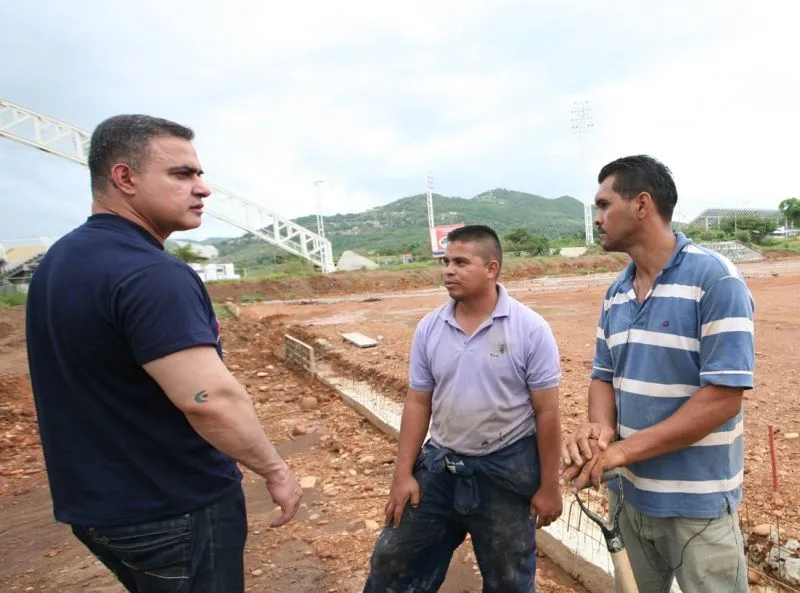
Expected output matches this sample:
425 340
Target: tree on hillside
187 253
521 239
698 232
758 226
518 236
790 208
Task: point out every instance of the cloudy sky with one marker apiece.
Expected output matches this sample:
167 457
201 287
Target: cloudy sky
370 96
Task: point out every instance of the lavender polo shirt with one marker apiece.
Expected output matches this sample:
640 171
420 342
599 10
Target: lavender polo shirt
481 384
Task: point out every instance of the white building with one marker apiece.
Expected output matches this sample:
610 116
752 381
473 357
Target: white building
212 272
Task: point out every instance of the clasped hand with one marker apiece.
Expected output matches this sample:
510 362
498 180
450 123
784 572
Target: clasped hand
590 451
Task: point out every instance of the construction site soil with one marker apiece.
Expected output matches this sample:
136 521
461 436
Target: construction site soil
343 283
345 463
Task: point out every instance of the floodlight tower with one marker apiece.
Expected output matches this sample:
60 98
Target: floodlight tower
581 122
430 203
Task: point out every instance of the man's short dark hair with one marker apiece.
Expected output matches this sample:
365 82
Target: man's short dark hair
481 234
641 173
126 139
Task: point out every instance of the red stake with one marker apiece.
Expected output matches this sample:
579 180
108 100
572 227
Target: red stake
773 459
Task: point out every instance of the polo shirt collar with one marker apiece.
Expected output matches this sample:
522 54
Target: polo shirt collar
501 309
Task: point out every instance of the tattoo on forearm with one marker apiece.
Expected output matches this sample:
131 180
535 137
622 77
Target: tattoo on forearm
201 396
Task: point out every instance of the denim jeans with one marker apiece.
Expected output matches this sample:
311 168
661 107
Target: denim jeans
199 552
416 555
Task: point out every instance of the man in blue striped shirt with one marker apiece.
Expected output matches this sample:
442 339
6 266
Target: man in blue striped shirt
674 354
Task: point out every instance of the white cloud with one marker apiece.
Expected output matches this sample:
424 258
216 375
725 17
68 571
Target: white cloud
370 96
723 119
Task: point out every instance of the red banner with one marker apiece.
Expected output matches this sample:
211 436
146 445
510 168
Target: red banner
439 238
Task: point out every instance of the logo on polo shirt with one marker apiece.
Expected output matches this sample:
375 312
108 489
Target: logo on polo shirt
498 350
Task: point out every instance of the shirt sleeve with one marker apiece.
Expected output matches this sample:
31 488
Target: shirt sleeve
727 349
163 309
602 365
420 377
543 364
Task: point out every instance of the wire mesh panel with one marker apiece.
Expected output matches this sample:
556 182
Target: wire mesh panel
298 354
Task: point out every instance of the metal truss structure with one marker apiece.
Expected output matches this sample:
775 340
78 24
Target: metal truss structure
62 139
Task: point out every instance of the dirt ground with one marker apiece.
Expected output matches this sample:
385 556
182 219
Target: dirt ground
354 283
348 283
349 462
327 547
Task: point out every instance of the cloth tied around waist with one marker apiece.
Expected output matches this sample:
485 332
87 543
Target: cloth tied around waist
514 468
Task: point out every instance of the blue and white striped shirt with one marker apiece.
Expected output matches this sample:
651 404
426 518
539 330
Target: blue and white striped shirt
695 328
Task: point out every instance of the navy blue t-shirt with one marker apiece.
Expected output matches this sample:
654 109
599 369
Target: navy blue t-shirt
106 299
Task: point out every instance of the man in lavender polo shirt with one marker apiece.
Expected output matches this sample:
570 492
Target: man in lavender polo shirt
484 375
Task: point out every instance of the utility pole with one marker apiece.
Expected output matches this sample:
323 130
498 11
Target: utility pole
320 222
431 223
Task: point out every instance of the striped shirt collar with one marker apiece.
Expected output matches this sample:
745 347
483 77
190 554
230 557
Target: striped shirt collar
681 241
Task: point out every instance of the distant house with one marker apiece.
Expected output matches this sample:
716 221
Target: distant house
19 258
214 272
711 218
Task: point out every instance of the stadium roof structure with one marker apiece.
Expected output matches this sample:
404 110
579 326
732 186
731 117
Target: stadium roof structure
715 215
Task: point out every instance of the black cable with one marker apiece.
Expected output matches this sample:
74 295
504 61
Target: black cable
674 569
670 568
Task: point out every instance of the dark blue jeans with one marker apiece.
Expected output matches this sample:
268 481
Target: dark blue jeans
494 509
199 552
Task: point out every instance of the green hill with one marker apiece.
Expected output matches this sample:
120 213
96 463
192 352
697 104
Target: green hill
403 224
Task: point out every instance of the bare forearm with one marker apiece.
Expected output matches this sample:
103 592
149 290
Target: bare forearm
413 428
548 440
602 404
229 423
706 410
548 434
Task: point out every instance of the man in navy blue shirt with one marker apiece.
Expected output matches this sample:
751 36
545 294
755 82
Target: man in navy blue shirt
141 422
